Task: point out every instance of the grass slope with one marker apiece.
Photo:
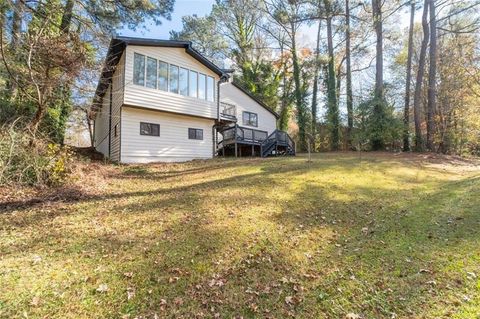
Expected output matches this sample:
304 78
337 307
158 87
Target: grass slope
383 236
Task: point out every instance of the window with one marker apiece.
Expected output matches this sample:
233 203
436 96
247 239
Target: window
173 78
195 134
183 81
162 76
202 79
250 119
151 73
149 129
193 81
139 69
156 74
210 89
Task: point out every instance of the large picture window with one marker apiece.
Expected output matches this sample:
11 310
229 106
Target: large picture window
202 82
210 89
151 129
155 74
162 76
173 78
250 119
193 81
139 69
195 134
151 73
183 81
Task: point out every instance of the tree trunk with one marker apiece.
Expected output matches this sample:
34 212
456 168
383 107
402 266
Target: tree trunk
315 87
406 113
432 77
15 42
16 25
377 20
90 128
419 80
283 125
301 118
349 75
67 17
378 142
334 121
37 119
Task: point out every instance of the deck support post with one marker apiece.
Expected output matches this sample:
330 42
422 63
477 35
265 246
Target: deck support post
253 150
276 150
236 149
223 148
240 150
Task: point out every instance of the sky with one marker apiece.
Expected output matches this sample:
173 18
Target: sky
181 8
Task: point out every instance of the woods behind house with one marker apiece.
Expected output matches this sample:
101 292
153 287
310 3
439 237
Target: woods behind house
373 75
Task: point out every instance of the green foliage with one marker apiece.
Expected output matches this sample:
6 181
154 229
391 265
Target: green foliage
38 163
262 80
203 32
377 127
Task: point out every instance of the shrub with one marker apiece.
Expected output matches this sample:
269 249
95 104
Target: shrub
31 162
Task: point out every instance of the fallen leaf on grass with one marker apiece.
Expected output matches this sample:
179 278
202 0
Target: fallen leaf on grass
130 293
102 288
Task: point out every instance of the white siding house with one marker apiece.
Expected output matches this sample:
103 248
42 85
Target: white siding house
162 101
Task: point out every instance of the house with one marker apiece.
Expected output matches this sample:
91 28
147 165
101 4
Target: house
162 101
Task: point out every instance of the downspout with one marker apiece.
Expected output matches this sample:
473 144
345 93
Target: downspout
223 79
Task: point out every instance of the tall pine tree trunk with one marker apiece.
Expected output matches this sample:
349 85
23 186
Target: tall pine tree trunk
406 113
333 116
377 20
432 75
315 86
417 98
349 75
301 116
377 141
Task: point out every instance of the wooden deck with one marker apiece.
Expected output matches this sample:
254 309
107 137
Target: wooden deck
241 141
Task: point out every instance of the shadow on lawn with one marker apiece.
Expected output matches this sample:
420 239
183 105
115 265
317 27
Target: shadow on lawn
393 254
199 267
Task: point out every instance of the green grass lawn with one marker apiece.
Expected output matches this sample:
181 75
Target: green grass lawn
383 236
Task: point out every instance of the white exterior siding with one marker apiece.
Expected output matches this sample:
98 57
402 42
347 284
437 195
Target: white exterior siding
230 94
173 144
141 96
101 125
117 101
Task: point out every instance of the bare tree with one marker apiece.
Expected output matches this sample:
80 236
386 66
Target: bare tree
432 77
419 80
406 113
348 59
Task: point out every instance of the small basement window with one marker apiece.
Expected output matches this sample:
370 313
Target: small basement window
250 119
195 134
149 129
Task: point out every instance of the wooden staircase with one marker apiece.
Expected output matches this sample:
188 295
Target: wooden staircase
278 143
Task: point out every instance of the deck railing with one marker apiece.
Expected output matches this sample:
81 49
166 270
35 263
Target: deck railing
240 133
228 110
